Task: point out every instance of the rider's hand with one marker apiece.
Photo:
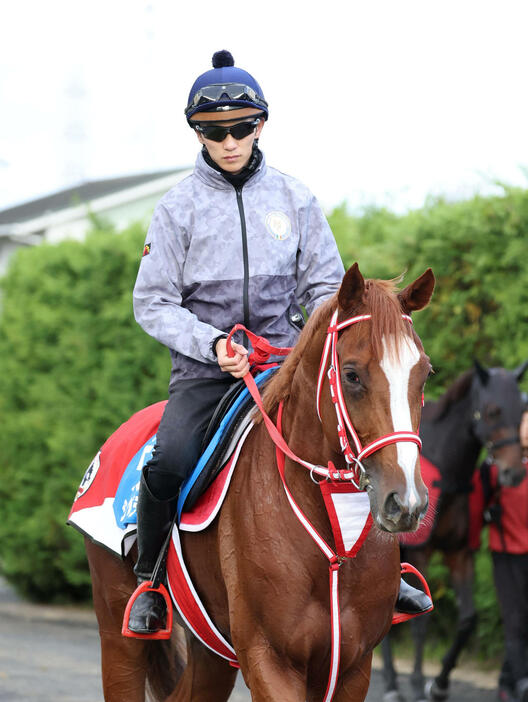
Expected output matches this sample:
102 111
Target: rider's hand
238 365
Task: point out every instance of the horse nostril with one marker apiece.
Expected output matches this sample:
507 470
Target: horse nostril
393 507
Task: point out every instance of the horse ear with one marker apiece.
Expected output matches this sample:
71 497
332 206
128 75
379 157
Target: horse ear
520 371
483 373
352 289
417 295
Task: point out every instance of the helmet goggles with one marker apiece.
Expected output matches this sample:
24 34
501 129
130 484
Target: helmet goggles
225 93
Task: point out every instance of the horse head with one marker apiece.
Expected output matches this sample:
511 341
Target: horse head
383 369
496 404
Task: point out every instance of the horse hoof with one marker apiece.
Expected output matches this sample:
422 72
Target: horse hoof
436 693
393 696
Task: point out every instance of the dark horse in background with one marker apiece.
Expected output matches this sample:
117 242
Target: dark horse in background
480 410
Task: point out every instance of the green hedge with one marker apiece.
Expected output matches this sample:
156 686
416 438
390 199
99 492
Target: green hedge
478 252
75 364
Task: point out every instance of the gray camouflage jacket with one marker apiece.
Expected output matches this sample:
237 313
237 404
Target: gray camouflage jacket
216 256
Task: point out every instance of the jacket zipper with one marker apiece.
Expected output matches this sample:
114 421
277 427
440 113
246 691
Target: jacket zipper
245 255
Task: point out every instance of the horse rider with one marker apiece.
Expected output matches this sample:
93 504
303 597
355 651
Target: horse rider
507 515
235 242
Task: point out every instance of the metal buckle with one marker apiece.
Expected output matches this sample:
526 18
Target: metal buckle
313 479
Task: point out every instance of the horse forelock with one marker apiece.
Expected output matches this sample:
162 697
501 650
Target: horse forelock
386 331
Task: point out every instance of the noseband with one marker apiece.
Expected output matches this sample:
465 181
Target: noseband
490 445
357 475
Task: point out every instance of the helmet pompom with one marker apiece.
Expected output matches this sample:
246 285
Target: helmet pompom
223 58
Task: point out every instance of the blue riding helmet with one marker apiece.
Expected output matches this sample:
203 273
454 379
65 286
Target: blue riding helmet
225 88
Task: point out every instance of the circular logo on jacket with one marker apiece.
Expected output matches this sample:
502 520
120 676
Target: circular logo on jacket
278 225
89 476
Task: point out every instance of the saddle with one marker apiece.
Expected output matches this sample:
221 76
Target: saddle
229 421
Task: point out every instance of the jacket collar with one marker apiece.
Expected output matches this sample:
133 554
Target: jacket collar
210 176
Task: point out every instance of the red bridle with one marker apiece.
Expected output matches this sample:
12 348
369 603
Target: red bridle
343 419
263 347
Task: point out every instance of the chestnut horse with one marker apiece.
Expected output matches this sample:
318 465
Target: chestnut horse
261 577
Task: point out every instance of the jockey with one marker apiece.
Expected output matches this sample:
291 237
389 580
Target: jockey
236 241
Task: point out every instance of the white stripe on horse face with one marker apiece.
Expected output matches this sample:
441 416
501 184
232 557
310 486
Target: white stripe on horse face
397 369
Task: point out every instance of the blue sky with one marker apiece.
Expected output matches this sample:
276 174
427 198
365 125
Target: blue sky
382 102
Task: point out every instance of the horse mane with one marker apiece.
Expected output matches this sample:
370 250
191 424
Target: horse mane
380 300
278 388
434 411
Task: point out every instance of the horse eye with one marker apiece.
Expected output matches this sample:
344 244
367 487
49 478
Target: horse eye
353 378
493 412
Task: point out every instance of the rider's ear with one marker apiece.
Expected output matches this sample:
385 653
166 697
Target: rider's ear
352 289
417 295
520 371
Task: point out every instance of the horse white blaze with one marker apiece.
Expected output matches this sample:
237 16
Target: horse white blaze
397 368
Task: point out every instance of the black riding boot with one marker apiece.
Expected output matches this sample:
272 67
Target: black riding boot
411 600
154 518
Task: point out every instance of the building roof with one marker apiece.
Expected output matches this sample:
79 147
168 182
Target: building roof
78 194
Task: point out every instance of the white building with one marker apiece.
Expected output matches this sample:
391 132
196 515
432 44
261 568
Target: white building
66 214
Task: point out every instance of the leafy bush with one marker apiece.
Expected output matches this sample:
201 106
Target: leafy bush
477 250
75 366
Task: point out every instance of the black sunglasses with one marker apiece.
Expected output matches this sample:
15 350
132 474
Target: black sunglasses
217 133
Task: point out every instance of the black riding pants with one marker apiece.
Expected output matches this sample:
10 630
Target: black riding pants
181 431
510 572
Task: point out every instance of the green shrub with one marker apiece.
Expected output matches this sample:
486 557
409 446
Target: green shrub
75 366
477 250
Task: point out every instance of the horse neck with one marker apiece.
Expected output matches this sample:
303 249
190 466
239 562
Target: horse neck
300 421
449 443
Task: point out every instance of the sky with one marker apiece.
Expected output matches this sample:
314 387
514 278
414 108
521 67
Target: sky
380 102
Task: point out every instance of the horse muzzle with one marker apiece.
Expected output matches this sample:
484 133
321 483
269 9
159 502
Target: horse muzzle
395 514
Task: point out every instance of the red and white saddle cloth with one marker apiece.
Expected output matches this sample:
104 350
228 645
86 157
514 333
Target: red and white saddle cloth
349 513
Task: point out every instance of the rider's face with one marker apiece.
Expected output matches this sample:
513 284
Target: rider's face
231 154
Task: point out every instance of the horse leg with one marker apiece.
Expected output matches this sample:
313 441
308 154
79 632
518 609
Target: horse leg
392 694
419 631
123 660
419 558
461 566
206 678
268 677
354 685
